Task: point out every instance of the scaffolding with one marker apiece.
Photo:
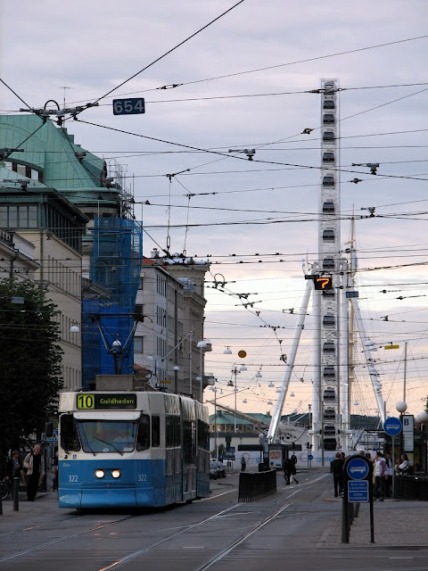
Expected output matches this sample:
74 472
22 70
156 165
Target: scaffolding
109 321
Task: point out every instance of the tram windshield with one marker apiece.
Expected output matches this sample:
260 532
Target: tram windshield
105 436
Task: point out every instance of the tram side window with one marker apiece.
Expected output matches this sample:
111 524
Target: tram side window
173 431
189 442
69 436
155 431
169 431
203 435
177 431
143 438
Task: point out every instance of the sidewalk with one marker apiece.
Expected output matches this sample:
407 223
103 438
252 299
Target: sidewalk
41 504
396 523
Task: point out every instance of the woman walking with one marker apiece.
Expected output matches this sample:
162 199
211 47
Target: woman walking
35 466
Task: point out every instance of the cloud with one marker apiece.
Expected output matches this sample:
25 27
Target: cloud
79 52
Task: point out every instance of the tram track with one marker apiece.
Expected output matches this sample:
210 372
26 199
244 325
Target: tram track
263 514
53 541
29 552
187 529
218 557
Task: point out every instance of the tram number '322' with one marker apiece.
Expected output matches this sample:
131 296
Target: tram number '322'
142 477
73 478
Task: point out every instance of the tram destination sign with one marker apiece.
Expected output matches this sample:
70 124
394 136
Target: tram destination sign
94 401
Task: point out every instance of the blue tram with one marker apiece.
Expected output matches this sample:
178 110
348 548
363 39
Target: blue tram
131 449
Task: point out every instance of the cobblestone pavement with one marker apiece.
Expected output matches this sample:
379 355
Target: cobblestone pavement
396 523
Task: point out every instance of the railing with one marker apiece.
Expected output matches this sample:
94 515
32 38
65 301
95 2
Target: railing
411 487
254 486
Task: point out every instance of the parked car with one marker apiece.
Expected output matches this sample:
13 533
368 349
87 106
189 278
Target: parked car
221 468
214 471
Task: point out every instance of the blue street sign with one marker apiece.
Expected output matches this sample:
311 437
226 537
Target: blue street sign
392 426
349 294
310 457
129 106
357 468
358 491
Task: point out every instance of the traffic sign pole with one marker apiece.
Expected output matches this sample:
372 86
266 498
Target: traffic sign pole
393 467
393 427
357 488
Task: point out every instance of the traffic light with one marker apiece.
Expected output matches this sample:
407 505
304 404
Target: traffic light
323 282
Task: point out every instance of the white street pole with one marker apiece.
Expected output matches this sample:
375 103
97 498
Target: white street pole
235 372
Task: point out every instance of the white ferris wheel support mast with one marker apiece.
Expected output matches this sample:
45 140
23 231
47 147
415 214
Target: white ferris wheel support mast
273 428
367 349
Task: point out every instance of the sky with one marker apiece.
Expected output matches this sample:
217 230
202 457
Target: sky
244 75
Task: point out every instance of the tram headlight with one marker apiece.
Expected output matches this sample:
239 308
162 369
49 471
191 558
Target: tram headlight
99 474
116 474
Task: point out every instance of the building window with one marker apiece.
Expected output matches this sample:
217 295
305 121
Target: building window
161 317
138 344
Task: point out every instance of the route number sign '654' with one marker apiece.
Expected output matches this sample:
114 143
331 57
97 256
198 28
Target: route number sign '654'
130 106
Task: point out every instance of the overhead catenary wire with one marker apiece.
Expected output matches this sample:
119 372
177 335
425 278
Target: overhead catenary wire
180 84
170 51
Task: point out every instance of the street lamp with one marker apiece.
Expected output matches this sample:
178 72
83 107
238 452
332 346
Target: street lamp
74 328
201 345
235 372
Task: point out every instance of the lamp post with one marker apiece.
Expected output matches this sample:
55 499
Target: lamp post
191 363
215 420
202 344
235 372
401 406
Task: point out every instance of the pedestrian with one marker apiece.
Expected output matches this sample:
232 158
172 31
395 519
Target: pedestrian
336 468
35 466
287 466
13 468
402 466
14 465
55 472
380 475
243 464
388 481
293 460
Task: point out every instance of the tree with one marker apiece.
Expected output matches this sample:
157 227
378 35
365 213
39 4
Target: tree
30 360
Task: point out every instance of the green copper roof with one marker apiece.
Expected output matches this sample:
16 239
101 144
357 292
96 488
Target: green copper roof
66 166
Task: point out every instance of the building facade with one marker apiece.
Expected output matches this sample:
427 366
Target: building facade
59 196
171 303
44 246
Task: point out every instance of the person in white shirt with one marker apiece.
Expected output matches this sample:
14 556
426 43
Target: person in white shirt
403 465
380 475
